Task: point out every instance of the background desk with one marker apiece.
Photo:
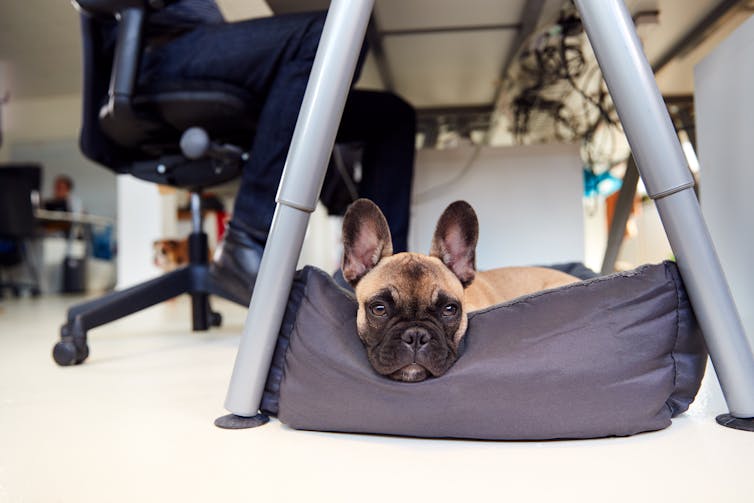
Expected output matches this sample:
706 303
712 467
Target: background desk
53 249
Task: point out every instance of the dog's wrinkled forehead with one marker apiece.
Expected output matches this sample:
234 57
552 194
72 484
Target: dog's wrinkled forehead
409 276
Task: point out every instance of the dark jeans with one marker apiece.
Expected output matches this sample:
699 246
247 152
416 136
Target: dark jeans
271 58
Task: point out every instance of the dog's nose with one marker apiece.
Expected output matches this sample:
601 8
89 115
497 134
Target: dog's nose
416 338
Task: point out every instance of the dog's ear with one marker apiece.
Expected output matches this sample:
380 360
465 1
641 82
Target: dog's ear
366 239
455 240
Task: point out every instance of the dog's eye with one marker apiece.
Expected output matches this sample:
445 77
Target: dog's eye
378 309
450 310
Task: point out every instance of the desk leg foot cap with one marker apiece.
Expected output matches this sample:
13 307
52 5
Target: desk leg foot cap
738 423
234 422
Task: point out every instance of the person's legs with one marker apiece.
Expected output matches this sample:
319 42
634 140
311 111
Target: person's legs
269 57
255 200
387 125
247 54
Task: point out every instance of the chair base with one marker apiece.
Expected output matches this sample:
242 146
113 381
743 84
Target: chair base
193 279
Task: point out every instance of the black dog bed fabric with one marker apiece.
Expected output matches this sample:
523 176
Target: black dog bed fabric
612 355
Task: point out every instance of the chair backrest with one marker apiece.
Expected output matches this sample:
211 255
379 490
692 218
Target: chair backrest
98 37
18 183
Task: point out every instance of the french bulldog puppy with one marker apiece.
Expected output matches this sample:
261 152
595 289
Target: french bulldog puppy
412 313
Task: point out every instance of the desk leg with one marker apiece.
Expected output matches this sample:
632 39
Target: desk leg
662 166
312 143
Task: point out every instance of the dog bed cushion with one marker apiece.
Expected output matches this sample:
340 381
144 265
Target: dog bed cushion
612 355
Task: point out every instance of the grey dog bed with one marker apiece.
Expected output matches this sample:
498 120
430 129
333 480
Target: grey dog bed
612 355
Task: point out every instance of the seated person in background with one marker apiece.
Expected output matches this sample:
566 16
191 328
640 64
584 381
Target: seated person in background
62 200
62 196
272 58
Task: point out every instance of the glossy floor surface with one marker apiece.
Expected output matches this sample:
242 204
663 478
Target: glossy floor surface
134 423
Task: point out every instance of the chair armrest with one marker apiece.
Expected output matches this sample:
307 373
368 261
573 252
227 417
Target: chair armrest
130 15
128 51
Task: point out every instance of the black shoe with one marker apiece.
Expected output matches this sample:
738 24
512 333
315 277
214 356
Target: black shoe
235 264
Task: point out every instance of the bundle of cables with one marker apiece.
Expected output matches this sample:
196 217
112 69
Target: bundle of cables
561 96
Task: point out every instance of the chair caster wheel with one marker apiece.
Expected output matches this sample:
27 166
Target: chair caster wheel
66 353
215 319
82 354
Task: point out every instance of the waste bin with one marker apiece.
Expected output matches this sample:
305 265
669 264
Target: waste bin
74 275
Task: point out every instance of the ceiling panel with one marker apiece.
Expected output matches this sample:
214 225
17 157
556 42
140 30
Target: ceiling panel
40 46
370 75
677 77
289 6
676 17
448 69
423 14
237 10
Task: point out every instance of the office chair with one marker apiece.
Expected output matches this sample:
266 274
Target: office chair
19 189
185 134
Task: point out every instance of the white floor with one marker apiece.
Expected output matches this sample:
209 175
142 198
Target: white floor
134 423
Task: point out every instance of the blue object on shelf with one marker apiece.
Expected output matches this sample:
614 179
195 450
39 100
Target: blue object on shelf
102 243
603 184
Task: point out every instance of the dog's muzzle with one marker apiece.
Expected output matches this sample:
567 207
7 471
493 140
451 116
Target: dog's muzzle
415 342
412 353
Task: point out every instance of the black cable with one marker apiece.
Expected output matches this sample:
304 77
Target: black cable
557 59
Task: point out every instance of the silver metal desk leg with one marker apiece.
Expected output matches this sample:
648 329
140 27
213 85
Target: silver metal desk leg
620 216
662 166
313 139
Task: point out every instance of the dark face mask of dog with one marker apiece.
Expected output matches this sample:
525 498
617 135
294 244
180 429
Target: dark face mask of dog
411 316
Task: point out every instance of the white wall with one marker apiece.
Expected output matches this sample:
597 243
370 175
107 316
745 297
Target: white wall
595 232
140 207
528 200
50 118
725 134
647 243
650 244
